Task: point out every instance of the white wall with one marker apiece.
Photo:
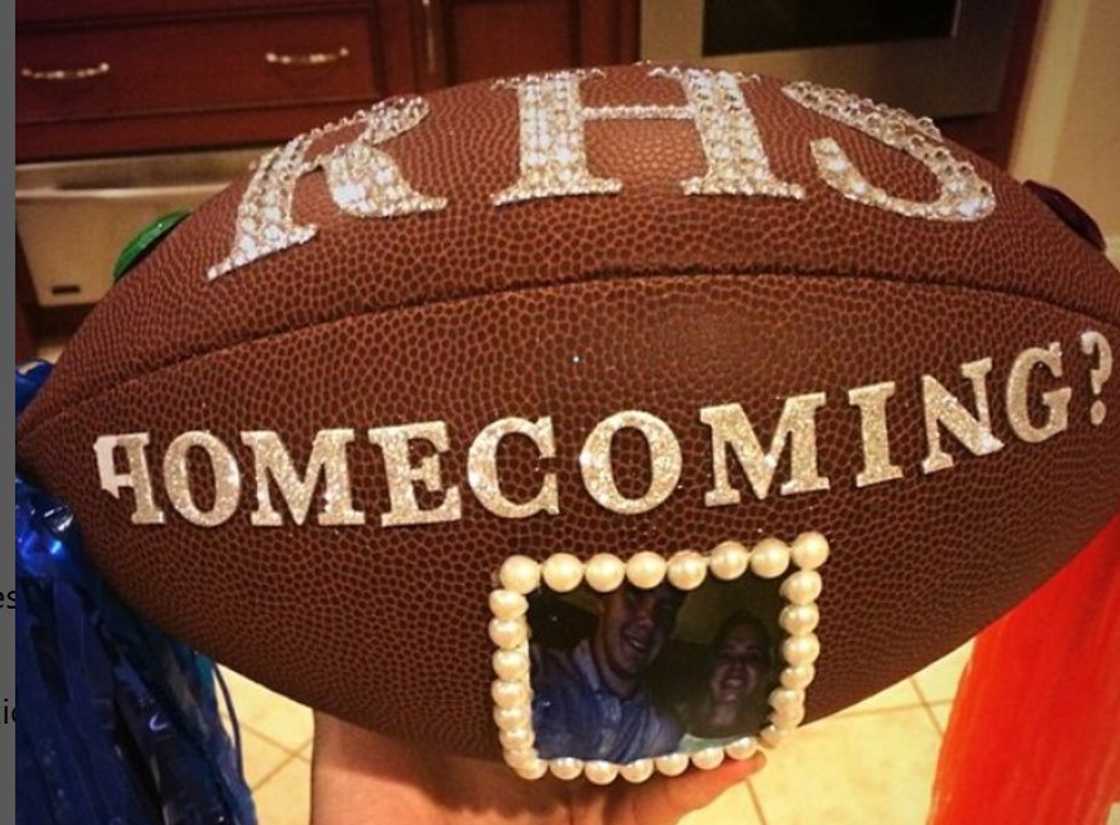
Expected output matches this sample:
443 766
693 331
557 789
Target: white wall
1069 128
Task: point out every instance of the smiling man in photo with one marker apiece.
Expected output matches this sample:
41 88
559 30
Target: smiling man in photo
591 702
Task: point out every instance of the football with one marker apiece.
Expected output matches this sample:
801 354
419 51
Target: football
387 423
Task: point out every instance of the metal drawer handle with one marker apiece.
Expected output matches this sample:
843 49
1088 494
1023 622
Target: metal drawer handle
429 37
311 59
65 74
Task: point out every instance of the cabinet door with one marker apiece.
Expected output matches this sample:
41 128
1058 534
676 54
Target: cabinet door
464 40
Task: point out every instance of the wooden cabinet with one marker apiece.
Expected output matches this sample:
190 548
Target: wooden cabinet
99 77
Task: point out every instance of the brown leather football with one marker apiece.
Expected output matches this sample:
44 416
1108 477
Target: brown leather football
637 310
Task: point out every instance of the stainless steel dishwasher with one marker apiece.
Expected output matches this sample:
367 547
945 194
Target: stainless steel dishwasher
75 217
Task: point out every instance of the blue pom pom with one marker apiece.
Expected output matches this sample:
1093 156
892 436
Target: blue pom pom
118 722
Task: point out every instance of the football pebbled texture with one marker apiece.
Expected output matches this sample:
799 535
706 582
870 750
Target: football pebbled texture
577 307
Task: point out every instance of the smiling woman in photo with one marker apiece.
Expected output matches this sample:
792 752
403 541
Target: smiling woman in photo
730 701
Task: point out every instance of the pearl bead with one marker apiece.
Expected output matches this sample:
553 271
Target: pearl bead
743 748
771 736
562 572
604 572
509 694
769 558
517 758
791 708
687 570
799 619
798 677
516 738
599 772
645 569
520 574
788 718
566 767
505 604
671 764
532 770
511 718
810 550
802 587
708 758
510 665
638 771
729 560
507 633
801 650
781 698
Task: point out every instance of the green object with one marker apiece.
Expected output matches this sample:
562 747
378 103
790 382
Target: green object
146 241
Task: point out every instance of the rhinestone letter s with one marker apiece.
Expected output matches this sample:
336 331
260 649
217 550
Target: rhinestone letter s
964 195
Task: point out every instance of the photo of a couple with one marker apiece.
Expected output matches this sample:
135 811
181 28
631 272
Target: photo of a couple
636 673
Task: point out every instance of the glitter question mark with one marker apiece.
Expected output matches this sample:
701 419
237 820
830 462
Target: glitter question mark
1092 341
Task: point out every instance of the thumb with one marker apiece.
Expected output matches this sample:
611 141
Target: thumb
664 800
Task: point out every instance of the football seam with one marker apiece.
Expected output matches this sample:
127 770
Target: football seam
74 407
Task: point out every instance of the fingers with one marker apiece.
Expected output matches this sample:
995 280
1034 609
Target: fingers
342 746
665 800
364 777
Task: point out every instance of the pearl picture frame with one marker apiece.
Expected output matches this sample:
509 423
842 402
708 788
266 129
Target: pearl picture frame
770 558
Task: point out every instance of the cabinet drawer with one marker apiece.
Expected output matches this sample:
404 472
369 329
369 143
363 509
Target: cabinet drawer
63 11
205 65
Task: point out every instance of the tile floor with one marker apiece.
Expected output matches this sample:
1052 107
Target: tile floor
873 763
